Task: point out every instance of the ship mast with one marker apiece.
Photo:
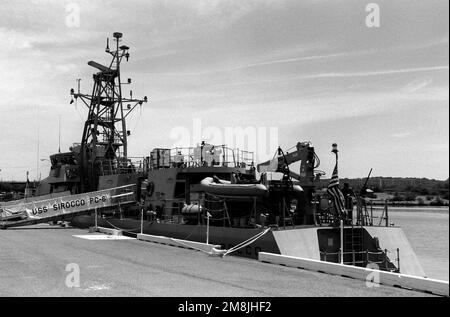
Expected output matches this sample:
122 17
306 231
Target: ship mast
104 141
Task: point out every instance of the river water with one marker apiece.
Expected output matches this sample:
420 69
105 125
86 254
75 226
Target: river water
427 229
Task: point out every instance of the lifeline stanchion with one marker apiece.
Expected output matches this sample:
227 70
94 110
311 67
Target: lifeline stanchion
342 242
142 220
96 224
353 257
207 227
386 258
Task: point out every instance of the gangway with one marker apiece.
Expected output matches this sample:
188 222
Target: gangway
64 207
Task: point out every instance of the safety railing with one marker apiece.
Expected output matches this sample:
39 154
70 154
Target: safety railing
209 201
364 258
366 212
206 155
124 194
124 166
174 206
368 209
171 211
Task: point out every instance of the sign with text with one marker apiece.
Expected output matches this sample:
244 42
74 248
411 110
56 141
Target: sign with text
63 205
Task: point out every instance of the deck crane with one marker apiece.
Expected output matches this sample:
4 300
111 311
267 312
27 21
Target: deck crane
307 176
304 153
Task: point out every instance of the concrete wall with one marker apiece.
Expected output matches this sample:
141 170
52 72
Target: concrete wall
370 276
392 238
302 243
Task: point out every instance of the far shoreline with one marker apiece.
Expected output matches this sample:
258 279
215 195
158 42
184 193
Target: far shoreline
416 208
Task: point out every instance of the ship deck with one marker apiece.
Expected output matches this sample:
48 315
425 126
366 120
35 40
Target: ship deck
34 260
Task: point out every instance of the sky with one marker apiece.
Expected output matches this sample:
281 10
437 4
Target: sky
282 71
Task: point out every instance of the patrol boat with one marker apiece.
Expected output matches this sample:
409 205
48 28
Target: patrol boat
204 193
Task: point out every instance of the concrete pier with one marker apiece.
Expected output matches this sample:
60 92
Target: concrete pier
34 262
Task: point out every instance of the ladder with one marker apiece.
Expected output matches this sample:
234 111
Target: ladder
354 246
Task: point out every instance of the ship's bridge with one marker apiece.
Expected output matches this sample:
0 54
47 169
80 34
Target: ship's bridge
203 155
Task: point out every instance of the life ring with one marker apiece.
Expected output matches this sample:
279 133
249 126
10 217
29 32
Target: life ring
150 189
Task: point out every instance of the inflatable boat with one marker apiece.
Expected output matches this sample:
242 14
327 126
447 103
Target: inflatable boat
226 188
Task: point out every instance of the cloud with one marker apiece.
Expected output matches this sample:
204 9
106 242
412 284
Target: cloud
224 12
438 148
419 88
318 50
345 54
377 72
233 62
400 135
417 85
294 60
